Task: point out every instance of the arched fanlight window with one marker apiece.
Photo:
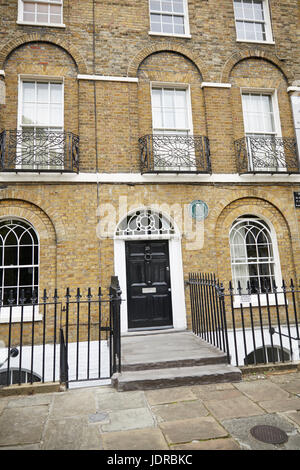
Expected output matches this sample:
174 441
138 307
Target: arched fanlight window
19 258
15 377
267 354
252 254
145 222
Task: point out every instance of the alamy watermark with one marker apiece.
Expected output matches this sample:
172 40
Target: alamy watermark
157 221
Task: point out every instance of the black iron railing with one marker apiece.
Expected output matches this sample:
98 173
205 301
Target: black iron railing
267 155
161 153
252 327
208 310
75 338
39 150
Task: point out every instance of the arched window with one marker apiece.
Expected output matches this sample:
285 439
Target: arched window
267 354
252 254
19 258
15 377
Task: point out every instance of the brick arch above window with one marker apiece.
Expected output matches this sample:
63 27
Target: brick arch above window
9 47
47 223
232 205
135 63
238 56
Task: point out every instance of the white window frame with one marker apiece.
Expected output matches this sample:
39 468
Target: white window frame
185 16
189 129
246 300
276 115
15 314
41 79
36 23
178 86
267 22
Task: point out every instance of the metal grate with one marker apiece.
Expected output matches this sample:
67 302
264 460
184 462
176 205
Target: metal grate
269 434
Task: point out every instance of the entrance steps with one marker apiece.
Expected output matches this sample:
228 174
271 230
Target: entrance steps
170 359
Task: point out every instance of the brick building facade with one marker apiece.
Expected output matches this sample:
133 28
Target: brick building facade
111 107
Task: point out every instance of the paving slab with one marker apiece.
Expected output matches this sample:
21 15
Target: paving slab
294 415
240 428
3 404
19 426
123 420
212 444
71 434
143 439
188 430
206 388
121 401
233 408
219 394
26 447
289 404
178 411
261 390
292 386
73 403
169 395
33 400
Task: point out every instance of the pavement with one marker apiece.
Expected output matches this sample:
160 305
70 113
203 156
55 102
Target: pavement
199 417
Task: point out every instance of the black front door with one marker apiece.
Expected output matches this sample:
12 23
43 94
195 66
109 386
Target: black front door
148 284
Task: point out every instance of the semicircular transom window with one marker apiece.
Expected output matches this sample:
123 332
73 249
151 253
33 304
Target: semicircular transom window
145 222
19 262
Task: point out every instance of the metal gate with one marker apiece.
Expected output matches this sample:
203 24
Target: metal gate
74 339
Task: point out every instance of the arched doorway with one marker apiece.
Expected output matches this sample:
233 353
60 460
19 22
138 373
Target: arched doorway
148 262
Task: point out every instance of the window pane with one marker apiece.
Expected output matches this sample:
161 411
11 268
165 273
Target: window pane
7 295
178 6
11 256
26 275
11 277
178 29
55 115
29 7
169 119
56 19
28 114
42 92
11 239
25 256
155 5
55 9
42 18
168 98
42 118
29 17
166 5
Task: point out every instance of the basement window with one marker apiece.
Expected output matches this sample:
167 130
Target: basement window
41 12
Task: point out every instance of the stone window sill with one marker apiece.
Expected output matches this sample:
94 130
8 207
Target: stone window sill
49 25
186 36
255 42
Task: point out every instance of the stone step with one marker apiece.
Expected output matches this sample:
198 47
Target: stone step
174 377
166 364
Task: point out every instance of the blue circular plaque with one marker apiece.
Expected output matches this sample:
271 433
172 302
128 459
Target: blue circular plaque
198 210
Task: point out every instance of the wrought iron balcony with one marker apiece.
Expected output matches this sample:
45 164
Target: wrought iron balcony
39 151
267 155
165 153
